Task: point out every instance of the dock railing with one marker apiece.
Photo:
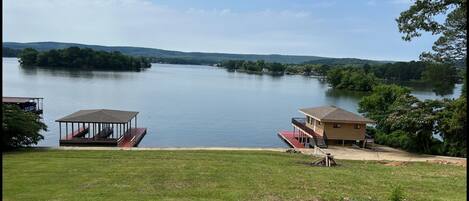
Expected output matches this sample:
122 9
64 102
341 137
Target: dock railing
319 140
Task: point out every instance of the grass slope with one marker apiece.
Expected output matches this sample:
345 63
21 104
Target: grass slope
216 175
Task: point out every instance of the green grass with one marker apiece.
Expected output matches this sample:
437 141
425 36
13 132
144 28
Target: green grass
216 175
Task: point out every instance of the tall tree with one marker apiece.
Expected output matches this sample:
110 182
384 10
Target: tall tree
422 16
417 118
452 126
377 105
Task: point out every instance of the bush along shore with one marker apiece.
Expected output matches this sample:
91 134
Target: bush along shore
406 122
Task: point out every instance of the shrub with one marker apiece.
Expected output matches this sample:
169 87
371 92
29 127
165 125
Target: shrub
20 128
398 138
397 194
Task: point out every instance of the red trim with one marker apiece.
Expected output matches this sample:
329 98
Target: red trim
291 139
132 137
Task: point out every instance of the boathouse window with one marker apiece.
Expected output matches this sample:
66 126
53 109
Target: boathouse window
337 125
357 126
308 119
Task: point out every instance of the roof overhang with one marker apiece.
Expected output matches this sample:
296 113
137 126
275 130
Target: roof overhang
309 115
99 116
349 122
11 99
362 121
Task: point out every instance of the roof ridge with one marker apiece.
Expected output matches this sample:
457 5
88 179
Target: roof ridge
104 112
333 110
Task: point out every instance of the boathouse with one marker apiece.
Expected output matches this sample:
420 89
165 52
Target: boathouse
29 104
327 125
100 127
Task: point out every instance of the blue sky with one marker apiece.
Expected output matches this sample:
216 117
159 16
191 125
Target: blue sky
359 28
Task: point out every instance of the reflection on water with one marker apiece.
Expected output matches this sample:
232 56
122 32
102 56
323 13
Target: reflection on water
75 73
183 105
336 93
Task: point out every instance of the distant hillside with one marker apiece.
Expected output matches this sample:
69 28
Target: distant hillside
167 54
341 61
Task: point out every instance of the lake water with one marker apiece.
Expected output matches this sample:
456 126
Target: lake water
183 105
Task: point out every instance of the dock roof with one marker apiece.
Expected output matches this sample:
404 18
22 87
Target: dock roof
334 114
6 99
99 116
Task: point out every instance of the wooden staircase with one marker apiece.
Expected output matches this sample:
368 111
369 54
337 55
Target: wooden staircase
320 142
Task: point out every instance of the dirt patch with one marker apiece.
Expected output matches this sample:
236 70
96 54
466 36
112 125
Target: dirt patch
446 162
294 151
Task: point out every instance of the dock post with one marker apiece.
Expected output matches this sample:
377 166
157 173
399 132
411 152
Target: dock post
60 132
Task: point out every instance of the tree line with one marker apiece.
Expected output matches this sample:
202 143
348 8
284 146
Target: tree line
84 58
259 66
9 52
359 77
440 76
253 66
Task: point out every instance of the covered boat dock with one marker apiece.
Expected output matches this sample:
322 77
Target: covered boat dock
100 127
30 104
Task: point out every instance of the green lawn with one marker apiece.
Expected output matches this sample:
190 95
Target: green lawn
216 175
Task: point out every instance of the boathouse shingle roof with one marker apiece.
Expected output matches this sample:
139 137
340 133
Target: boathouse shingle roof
334 114
99 116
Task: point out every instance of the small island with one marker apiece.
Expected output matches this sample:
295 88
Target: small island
82 58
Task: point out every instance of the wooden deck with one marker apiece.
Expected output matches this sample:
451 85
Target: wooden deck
290 138
132 137
107 142
129 139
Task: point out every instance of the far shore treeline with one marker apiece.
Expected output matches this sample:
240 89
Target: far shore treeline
362 77
82 58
